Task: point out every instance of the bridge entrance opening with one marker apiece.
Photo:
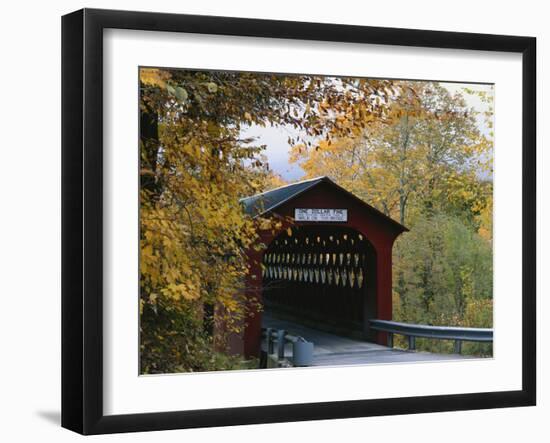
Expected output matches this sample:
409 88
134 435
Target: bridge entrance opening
321 276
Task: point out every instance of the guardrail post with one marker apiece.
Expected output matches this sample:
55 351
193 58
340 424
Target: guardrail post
390 339
281 344
458 346
412 342
302 352
268 333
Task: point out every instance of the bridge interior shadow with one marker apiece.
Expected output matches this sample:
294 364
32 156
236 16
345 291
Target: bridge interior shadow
323 277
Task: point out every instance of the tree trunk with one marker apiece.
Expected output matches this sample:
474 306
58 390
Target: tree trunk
149 138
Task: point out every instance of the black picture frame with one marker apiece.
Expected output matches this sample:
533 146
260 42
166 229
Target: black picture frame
82 218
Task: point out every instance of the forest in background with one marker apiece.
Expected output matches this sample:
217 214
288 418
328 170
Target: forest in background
431 169
411 149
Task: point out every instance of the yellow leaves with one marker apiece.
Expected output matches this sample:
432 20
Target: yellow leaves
485 220
194 237
264 224
154 77
188 290
230 304
423 148
271 181
147 250
213 129
141 305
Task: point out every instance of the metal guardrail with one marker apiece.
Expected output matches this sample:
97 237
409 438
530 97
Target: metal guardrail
412 331
302 350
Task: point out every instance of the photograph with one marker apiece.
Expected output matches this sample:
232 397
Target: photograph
296 220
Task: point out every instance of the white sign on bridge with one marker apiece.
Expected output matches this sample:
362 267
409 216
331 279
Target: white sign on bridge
321 215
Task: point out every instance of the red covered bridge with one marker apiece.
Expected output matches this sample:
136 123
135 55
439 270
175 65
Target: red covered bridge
329 266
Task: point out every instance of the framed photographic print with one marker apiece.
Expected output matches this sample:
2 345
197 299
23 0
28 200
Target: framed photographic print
269 221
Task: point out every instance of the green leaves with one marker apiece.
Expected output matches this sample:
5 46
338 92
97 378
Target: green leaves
442 275
181 94
212 87
178 92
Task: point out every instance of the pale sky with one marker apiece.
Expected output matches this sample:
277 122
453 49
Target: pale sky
276 138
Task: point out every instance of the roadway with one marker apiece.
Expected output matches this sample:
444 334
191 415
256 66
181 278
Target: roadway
333 350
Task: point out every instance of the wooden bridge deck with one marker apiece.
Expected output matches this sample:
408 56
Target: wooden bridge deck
333 350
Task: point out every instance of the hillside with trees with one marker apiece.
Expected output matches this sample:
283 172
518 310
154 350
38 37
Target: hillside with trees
431 169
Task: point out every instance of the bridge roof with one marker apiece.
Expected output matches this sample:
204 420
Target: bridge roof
260 204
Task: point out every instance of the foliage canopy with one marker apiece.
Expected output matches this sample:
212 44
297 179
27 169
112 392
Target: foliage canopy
194 168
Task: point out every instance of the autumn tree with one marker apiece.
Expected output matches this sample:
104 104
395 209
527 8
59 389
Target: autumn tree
194 168
427 150
428 165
